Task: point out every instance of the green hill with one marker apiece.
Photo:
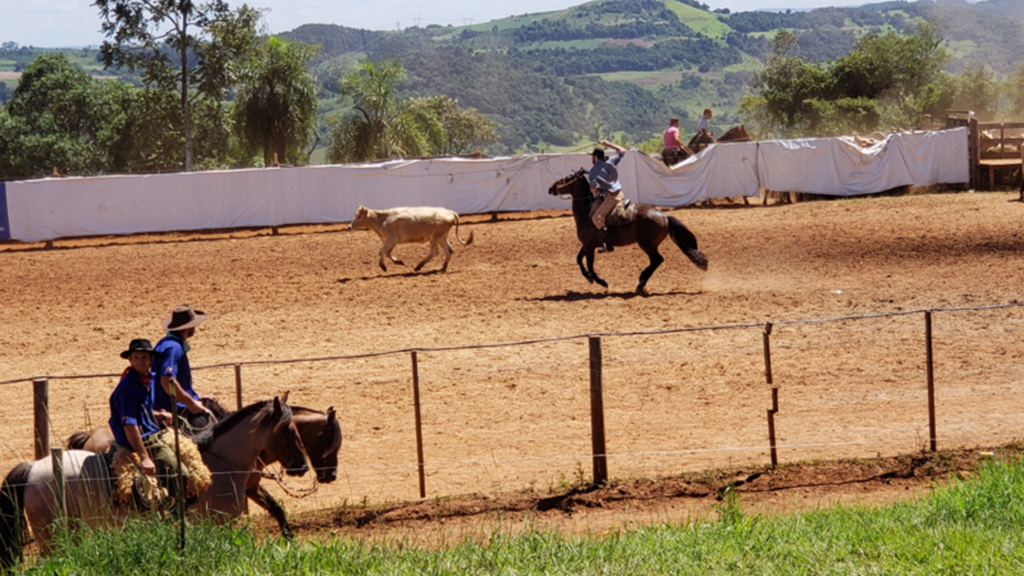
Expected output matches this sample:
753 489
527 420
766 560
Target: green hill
565 77
559 78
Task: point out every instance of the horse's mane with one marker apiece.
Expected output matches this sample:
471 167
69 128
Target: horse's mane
205 438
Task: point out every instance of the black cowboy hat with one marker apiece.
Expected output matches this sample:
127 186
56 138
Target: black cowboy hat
599 153
183 317
137 345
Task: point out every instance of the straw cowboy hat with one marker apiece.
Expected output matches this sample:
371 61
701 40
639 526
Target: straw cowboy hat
183 317
137 345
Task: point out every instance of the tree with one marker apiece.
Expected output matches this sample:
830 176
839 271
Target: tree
380 125
274 111
55 118
886 79
201 40
1015 90
463 130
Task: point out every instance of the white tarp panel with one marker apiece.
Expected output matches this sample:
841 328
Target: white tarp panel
54 208
838 167
719 171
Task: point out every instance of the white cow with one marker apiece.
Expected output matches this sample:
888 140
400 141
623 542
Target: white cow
407 225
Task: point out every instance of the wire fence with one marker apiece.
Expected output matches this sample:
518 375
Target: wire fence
507 416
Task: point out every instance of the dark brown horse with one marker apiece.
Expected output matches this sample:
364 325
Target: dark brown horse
648 229
736 134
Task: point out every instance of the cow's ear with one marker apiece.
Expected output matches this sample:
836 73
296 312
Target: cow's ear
361 212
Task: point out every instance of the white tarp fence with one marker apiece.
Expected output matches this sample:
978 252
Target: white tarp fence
37 210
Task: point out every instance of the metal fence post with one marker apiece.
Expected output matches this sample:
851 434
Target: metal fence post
419 424
41 414
597 413
930 372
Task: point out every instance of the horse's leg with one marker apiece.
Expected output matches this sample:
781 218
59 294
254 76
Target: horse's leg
264 500
583 269
590 267
651 249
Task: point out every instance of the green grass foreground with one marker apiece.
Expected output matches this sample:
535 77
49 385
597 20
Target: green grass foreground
974 527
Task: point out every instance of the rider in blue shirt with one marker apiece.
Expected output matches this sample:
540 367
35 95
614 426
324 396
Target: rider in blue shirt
133 420
174 371
604 180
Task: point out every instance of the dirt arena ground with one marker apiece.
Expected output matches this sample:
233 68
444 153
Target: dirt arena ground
503 422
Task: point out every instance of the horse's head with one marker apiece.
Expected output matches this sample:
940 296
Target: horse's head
285 443
321 435
574 185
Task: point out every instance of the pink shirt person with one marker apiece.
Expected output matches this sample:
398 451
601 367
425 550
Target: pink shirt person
672 141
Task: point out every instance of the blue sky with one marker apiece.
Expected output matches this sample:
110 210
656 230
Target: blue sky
63 23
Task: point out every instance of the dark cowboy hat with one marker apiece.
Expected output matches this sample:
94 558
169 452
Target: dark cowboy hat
598 153
183 317
139 344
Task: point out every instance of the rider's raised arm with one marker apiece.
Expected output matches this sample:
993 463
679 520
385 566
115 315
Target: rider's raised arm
613 146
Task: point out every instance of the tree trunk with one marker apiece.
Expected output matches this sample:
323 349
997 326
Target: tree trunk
186 117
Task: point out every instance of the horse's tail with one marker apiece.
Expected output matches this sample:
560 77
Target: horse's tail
467 242
77 440
687 242
12 516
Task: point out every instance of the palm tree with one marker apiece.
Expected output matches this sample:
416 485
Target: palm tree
380 124
275 108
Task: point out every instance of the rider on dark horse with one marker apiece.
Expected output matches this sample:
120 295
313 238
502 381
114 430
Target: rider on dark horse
604 181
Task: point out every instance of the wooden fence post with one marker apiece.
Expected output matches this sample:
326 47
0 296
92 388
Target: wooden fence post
766 339
597 413
419 424
238 386
41 413
930 374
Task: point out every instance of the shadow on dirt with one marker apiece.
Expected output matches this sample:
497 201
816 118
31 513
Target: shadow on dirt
386 276
573 296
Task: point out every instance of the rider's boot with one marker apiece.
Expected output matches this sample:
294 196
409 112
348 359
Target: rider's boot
607 239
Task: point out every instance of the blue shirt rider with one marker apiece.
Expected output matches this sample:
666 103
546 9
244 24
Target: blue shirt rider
174 371
132 419
604 180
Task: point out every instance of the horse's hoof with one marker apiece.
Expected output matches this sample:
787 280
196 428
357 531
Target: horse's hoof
399 262
602 283
382 267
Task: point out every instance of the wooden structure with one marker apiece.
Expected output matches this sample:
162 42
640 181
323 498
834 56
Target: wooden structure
992 147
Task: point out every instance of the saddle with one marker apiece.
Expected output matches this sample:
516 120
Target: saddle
623 213
130 486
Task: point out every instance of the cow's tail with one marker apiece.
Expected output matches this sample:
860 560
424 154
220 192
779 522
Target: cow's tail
12 515
77 440
469 240
687 242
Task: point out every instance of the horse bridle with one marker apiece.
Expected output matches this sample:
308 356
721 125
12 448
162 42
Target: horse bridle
565 180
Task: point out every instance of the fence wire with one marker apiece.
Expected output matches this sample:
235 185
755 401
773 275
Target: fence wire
501 417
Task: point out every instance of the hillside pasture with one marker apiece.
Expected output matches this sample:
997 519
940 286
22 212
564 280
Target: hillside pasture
502 419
